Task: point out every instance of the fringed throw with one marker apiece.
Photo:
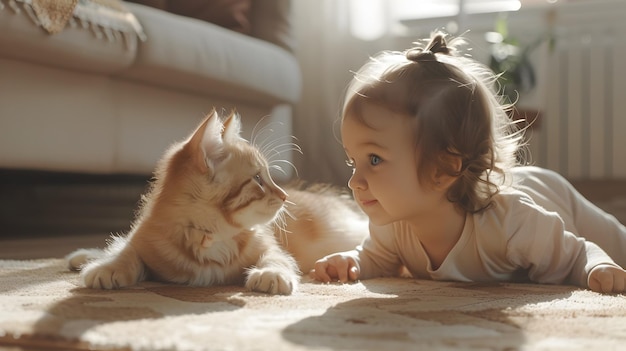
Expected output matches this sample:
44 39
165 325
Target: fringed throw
105 18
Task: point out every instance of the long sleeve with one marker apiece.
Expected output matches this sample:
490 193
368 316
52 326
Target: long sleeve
539 243
378 255
581 217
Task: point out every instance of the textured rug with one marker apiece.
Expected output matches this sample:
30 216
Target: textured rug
41 306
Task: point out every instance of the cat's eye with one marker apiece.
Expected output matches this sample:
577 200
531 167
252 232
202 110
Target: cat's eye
375 160
258 179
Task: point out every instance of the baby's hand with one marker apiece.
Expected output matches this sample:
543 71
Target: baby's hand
605 278
339 266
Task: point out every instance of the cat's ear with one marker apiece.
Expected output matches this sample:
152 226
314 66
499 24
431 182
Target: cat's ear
206 142
232 127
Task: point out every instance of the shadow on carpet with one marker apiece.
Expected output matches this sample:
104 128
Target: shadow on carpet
41 305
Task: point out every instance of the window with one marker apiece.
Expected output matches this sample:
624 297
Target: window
371 19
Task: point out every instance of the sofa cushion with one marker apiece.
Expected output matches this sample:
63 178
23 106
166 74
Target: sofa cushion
197 56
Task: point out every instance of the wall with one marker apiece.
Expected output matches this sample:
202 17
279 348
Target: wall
581 81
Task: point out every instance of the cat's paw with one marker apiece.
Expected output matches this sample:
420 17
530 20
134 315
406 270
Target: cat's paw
77 259
109 276
272 280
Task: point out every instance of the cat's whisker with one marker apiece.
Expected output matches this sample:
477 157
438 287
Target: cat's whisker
273 153
286 147
280 169
289 214
281 225
286 140
276 162
256 131
272 159
270 144
265 132
275 146
276 153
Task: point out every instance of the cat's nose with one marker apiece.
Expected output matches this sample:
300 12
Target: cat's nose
281 193
278 190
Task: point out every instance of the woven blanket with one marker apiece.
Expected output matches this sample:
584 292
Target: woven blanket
106 18
41 305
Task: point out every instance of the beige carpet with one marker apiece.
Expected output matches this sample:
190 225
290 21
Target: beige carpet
42 306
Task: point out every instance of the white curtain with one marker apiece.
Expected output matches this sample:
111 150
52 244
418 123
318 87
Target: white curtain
327 53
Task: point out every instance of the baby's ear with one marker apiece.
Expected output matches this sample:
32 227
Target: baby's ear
206 143
448 171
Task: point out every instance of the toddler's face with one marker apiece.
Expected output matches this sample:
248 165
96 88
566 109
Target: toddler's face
384 163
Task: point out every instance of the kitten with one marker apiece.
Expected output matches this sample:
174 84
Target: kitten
213 215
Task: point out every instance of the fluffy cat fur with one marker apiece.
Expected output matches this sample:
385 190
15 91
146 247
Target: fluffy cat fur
213 215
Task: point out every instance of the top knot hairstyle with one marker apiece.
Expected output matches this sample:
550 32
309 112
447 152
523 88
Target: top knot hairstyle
437 45
457 113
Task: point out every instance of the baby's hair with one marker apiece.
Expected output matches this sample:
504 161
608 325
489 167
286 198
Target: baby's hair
457 111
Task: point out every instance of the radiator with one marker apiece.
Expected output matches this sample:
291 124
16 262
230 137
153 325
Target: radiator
582 133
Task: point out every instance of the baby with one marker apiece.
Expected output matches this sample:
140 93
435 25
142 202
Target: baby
435 168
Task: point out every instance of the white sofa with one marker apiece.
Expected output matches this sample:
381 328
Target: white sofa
78 102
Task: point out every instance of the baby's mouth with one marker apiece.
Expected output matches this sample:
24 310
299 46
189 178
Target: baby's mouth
366 203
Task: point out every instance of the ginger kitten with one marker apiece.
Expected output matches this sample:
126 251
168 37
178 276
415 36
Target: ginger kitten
213 216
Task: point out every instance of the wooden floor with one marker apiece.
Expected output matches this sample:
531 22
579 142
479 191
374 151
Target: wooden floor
49 247
46 214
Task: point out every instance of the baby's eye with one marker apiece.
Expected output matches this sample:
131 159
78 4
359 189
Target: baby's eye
375 160
350 163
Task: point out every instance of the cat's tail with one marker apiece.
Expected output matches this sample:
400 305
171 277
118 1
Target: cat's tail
77 259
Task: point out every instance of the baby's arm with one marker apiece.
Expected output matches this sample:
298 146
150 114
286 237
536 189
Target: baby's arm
342 266
554 255
607 278
376 257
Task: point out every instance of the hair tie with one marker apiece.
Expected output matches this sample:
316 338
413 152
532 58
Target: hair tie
419 55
